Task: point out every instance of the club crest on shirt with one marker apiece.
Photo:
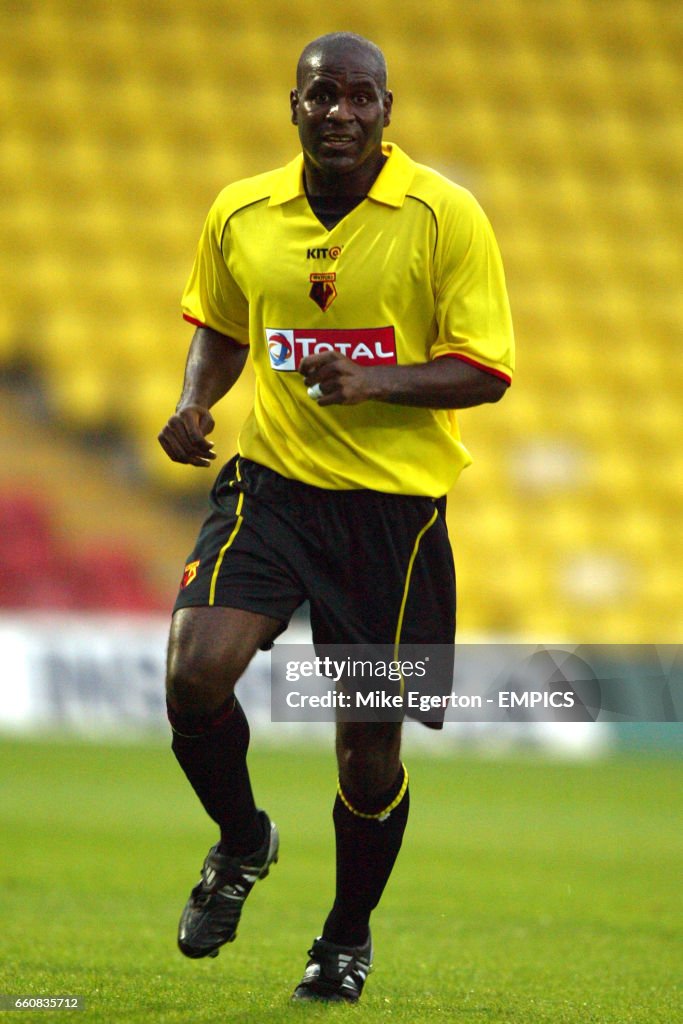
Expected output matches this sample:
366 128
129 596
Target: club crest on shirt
323 290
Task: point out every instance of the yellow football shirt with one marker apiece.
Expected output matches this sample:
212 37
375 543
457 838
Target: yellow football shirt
412 274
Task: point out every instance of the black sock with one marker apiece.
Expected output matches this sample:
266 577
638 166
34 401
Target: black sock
212 751
367 848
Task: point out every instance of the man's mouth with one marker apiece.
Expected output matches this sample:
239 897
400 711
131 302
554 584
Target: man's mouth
338 140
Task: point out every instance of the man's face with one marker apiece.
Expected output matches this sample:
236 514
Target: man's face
341 110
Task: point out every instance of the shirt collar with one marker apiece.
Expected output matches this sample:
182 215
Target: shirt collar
393 181
390 186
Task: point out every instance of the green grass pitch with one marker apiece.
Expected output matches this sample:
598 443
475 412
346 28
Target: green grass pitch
528 891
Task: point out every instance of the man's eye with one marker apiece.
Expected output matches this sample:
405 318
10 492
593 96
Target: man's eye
321 97
361 99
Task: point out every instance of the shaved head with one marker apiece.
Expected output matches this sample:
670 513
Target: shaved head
335 44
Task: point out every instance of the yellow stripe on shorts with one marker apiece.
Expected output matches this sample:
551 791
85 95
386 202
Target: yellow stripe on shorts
221 553
406 588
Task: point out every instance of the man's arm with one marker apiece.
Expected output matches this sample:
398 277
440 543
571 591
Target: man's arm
445 383
214 363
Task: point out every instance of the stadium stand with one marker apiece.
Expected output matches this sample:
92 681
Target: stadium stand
75 533
564 119
41 571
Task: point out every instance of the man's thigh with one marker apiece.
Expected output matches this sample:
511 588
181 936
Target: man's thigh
392 579
242 559
209 649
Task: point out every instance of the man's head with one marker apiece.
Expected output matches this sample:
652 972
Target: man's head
341 105
336 43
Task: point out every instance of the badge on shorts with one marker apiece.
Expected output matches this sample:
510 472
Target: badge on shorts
189 574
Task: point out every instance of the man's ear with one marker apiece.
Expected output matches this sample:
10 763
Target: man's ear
388 104
294 103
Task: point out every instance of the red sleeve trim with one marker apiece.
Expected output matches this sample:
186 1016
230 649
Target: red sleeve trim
479 366
200 323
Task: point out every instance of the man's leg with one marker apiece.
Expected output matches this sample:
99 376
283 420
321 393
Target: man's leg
370 816
209 648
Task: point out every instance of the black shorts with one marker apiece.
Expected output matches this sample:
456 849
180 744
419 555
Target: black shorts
376 568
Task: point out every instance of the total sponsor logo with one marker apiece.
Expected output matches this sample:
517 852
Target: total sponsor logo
368 346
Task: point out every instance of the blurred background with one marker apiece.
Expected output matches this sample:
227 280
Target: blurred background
121 122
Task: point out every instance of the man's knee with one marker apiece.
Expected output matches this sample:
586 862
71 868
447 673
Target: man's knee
197 681
368 756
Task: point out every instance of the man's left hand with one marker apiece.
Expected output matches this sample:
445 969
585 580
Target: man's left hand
341 381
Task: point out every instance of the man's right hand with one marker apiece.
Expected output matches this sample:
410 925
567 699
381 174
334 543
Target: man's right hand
184 436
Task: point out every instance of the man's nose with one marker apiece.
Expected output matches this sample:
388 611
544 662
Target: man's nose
341 110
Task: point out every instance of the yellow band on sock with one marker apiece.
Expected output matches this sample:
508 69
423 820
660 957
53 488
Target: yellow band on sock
381 815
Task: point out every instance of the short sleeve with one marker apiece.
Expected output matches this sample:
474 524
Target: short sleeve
212 298
472 307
